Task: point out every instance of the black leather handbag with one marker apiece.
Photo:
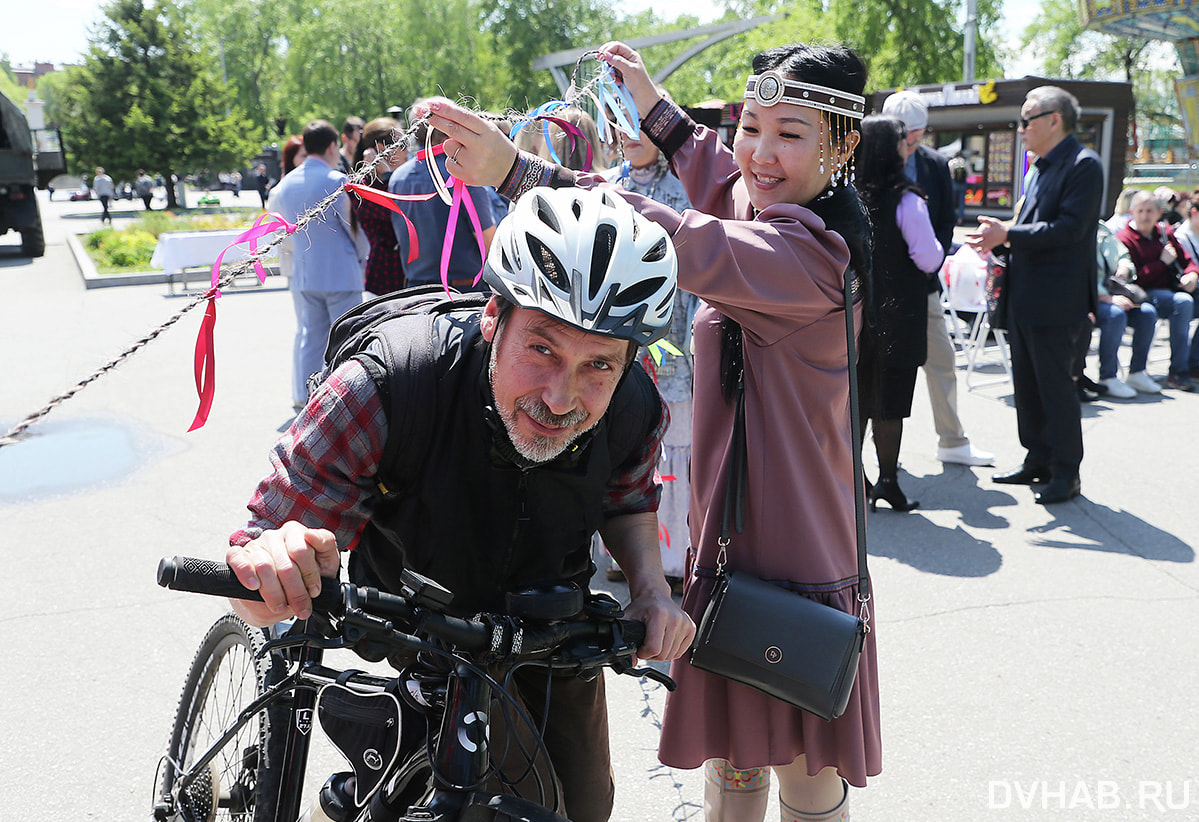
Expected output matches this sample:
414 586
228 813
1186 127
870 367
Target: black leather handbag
768 637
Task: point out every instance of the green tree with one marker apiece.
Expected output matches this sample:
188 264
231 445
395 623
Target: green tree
914 42
1070 51
145 98
244 40
526 29
333 69
8 84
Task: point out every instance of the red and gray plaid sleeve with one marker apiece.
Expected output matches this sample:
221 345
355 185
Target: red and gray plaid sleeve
323 468
636 486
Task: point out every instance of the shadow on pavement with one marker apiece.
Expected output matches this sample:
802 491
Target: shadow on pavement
922 544
12 257
1113 531
917 540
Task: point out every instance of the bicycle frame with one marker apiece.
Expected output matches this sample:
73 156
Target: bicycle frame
462 754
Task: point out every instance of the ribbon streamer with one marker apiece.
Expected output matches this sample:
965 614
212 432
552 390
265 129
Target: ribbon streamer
615 98
458 199
205 355
388 200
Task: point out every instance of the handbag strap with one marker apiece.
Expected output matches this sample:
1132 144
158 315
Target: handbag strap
734 491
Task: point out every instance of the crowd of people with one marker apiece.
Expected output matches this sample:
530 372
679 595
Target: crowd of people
549 427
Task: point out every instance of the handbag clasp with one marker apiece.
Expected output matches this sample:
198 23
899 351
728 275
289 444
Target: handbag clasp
864 611
721 557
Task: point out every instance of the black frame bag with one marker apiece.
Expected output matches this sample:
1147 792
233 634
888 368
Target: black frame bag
778 641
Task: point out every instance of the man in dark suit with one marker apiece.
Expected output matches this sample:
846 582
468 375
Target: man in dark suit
930 170
1050 288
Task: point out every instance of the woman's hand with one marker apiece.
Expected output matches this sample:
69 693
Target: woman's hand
476 151
630 70
1122 303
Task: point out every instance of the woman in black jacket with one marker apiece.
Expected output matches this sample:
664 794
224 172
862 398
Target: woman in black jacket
905 252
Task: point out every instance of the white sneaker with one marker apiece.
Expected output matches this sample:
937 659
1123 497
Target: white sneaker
1119 389
1141 381
966 455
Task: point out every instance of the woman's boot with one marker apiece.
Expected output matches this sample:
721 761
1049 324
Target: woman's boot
837 814
731 795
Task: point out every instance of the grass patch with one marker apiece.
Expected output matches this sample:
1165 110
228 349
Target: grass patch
130 249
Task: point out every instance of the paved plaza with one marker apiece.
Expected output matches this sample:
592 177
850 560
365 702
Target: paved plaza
1035 663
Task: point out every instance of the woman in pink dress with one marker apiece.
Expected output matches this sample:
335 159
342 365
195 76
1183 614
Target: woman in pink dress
774 226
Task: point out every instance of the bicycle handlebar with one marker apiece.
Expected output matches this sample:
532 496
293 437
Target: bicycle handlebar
203 576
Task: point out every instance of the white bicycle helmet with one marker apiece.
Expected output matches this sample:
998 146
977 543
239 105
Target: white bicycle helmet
587 258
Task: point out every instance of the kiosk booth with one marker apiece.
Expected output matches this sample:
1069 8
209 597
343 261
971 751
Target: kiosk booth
979 120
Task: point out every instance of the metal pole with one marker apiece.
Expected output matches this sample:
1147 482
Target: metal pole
971 41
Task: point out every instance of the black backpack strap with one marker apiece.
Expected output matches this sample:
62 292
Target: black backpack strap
403 359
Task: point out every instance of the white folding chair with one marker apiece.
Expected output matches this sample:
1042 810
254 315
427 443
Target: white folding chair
964 289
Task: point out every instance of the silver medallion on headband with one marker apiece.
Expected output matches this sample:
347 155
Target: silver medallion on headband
771 88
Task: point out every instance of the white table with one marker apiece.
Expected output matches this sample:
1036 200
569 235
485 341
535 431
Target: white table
179 251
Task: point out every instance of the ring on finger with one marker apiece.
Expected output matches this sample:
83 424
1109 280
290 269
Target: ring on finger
457 151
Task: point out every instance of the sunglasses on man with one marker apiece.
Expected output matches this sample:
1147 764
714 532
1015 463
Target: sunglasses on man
1024 121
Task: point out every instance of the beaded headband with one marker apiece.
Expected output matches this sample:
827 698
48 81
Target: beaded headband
770 88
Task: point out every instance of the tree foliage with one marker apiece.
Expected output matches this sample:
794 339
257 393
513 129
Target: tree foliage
1068 50
915 42
177 85
526 29
9 86
145 97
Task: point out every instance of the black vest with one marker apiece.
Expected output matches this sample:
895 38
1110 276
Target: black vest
900 292
476 517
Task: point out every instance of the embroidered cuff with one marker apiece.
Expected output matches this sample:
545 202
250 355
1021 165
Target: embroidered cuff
530 171
668 126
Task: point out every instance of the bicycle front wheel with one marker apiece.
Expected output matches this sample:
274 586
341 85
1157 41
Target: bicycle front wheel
241 783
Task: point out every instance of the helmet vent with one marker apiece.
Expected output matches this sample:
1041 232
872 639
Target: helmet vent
577 208
601 256
549 264
547 215
656 253
639 292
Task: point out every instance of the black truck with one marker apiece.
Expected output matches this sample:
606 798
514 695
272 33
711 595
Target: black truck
24 164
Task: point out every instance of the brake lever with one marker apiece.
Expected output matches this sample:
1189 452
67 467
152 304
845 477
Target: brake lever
654 674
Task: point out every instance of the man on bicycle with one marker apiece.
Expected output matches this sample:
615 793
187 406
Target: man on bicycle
546 431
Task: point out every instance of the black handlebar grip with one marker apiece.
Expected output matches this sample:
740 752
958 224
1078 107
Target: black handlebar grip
204 576
634 631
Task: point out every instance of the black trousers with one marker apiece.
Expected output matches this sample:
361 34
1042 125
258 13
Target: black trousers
1048 412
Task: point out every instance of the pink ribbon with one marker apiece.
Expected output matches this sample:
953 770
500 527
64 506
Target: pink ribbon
459 196
205 355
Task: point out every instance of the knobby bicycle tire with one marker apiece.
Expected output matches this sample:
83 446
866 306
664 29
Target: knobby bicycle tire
241 783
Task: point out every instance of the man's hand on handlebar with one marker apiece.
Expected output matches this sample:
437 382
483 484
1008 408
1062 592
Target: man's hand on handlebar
285 566
668 629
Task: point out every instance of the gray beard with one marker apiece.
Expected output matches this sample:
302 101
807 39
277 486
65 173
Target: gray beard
538 449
